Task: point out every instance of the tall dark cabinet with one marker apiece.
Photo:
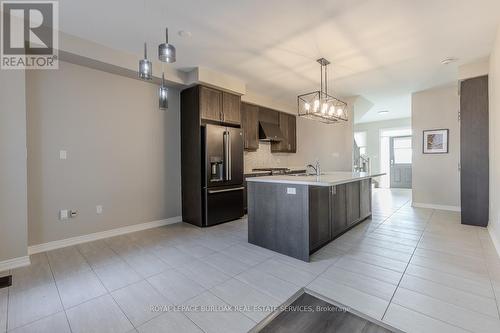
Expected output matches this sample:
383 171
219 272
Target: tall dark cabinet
474 151
211 156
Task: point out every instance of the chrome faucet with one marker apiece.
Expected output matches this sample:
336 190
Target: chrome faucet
317 168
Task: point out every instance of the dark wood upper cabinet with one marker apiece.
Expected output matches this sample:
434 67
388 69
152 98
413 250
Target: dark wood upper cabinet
288 127
219 106
231 108
269 116
250 126
210 104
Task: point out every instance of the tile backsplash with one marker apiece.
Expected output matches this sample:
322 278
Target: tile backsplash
262 158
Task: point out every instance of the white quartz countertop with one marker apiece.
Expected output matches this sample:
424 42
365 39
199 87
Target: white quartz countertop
325 179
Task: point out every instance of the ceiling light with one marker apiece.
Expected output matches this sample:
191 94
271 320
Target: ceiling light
383 111
332 109
145 66
166 51
448 60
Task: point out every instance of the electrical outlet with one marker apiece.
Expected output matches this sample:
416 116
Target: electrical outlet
98 209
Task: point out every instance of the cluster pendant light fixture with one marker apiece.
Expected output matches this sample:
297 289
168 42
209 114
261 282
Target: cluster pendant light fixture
166 54
319 105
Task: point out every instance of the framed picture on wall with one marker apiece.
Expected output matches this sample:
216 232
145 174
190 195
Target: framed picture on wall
435 141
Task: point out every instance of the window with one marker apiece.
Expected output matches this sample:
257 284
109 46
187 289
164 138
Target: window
402 150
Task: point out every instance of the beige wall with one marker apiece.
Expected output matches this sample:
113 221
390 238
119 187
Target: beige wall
372 130
436 179
123 153
13 192
494 112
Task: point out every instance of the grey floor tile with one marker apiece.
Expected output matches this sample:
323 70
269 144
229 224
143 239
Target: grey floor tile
172 256
67 261
98 253
286 272
79 288
254 303
56 323
245 254
451 295
449 313
195 250
98 315
169 323
176 287
218 321
205 274
412 322
269 284
117 275
361 282
457 282
226 264
136 301
145 263
34 275
350 297
26 306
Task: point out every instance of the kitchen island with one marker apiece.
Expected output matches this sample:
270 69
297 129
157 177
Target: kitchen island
296 215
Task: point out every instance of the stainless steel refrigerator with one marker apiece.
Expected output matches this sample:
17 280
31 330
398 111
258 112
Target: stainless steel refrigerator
222 174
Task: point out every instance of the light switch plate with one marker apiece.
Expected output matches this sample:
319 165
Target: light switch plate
63 154
291 190
98 209
63 214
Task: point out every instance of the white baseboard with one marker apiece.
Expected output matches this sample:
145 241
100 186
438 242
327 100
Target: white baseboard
495 236
14 263
100 235
440 207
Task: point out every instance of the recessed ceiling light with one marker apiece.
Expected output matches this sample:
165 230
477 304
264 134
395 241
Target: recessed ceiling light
184 33
448 60
383 111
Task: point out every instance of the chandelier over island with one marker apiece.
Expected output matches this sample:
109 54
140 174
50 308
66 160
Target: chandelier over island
319 105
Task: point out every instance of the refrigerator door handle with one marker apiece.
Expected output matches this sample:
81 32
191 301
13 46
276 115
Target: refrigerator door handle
230 156
226 190
226 155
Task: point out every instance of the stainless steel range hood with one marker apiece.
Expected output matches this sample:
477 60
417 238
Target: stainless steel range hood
270 132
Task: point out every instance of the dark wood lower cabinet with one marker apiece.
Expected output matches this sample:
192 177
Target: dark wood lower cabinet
319 217
352 203
333 210
338 212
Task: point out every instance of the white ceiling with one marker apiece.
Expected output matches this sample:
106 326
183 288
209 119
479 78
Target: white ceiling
380 49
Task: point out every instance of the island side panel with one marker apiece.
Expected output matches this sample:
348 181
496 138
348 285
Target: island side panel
278 220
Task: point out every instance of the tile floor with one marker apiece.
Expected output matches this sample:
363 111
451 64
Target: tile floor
418 270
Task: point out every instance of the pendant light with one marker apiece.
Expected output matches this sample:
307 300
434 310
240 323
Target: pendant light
166 51
163 94
320 105
145 66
